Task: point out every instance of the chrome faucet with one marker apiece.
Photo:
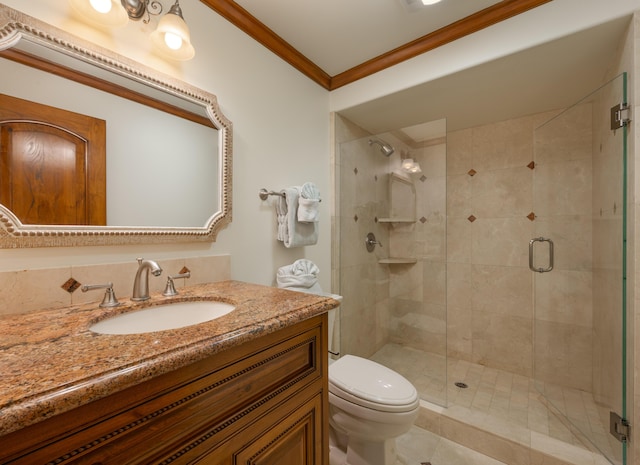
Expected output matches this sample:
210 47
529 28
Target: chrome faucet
141 281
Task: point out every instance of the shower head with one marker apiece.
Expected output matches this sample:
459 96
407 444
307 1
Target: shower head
385 148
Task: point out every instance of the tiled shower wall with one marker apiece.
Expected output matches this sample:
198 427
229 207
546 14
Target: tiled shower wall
494 209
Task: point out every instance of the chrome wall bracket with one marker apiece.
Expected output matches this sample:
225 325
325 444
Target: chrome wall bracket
620 116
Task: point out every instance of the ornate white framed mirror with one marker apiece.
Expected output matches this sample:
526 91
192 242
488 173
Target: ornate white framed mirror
168 146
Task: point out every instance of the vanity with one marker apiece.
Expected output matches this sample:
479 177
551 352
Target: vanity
248 387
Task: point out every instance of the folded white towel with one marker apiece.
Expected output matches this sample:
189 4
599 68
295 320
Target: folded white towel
309 203
290 231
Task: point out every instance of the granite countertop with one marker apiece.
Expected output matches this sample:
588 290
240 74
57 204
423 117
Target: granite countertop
51 362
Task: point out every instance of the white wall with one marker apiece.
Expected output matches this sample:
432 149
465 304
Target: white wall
281 138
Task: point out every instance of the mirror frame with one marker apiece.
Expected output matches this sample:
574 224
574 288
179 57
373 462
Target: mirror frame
16 26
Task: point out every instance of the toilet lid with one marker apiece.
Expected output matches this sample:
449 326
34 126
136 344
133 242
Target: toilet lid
371 382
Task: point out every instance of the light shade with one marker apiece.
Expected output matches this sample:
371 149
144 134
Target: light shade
106 13
430 2
411 166
172 37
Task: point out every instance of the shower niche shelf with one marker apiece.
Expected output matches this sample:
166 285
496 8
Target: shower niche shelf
398 261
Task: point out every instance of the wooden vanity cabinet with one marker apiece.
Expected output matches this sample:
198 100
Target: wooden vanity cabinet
261 403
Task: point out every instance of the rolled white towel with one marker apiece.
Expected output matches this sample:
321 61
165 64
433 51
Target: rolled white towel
300 275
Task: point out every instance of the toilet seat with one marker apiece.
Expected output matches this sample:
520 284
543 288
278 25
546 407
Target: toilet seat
371 385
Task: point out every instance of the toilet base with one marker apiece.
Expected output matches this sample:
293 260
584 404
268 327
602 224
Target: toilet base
361 452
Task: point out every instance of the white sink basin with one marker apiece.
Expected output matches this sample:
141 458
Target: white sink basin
163 317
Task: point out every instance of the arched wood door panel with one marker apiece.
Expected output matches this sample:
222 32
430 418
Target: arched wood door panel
52 164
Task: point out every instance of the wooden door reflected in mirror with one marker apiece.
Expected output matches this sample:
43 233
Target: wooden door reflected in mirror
52 164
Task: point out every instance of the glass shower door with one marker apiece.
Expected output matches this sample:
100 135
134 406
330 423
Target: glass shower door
577 257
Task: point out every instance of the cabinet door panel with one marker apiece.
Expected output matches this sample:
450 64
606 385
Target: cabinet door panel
291 441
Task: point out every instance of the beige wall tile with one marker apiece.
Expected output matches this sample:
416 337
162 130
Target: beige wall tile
503 341
573 240
459 151
459 196
563 188
459 240
506 144
502 193
31 290
435 282
564 297
208 269
501 241
566 136
504 290
563 354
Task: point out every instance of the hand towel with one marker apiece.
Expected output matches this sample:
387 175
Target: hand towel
309 203
290 231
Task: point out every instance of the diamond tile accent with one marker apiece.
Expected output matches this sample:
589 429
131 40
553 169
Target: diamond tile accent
184 270
472 172
423 178
472 218
70 285
531 216
531 165
423 220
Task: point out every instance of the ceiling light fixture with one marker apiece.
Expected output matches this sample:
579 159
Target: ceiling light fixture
408 164
430 2
171 37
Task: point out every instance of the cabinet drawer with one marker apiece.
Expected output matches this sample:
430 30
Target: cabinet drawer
289 436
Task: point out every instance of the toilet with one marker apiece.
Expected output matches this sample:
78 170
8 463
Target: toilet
369 406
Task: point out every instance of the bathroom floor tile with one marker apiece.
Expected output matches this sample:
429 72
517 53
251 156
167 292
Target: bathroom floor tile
418 447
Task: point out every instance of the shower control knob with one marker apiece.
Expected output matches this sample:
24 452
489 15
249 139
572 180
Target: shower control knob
370 242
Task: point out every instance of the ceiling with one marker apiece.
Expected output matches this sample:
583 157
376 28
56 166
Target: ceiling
335 42
338 35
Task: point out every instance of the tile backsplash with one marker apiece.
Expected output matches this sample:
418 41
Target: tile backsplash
30 290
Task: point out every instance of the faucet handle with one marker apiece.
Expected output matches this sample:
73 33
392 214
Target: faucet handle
170 289
109 299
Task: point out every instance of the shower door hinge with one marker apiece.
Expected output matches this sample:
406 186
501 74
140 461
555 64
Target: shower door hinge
619 427
620 116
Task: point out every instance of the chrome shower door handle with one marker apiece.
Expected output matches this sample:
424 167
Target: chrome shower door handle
531 266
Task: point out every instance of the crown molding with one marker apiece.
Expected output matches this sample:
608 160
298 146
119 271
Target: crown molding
482 19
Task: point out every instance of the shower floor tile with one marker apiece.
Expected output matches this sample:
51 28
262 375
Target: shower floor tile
507 403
